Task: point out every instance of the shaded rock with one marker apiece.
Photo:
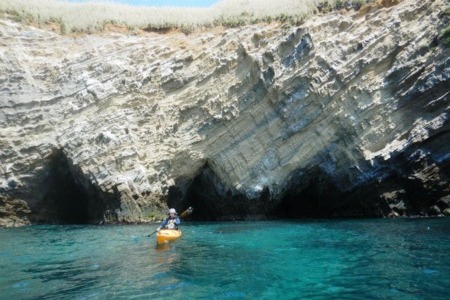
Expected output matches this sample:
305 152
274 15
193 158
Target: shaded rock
444 203
396 201
434 211
393 214
13 212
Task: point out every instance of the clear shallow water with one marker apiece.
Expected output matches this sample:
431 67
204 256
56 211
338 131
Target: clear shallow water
309 259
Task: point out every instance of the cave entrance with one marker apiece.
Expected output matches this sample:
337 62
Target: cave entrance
203 193
314 197
305 204
198 194
213 201
68 201
72 207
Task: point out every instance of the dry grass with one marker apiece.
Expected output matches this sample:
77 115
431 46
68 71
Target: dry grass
94 16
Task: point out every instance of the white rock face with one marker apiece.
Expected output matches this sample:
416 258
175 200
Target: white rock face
333 117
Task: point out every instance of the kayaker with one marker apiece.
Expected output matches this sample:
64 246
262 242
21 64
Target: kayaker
171 222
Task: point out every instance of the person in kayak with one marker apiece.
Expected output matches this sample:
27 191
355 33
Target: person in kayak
171 222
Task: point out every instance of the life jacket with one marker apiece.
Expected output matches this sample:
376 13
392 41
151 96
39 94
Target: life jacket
171 223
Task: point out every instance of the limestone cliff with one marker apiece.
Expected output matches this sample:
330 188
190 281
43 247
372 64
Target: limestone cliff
344 115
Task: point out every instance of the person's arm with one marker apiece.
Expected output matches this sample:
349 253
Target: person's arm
177 221
163 224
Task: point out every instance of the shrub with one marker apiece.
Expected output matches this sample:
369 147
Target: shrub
445 36
338 4
356 4
91 17
63 28
447 11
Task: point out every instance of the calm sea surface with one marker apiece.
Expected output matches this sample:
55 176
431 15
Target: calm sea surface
308 259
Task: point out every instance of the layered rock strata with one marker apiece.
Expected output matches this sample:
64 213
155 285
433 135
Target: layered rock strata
344 115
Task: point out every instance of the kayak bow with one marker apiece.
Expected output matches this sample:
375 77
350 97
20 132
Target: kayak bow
167 235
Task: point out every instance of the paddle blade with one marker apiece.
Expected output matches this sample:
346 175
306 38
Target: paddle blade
186 212
152 233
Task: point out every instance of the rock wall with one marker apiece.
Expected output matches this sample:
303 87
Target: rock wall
344 115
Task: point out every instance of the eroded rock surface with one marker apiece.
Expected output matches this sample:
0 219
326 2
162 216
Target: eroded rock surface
345 115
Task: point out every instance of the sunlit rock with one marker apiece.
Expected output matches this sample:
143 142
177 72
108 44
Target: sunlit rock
344 115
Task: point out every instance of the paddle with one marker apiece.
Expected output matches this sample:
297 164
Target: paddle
152 233
185 213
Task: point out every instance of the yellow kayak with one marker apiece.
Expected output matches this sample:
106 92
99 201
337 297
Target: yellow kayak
167 235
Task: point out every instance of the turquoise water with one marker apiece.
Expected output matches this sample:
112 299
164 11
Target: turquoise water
308 259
